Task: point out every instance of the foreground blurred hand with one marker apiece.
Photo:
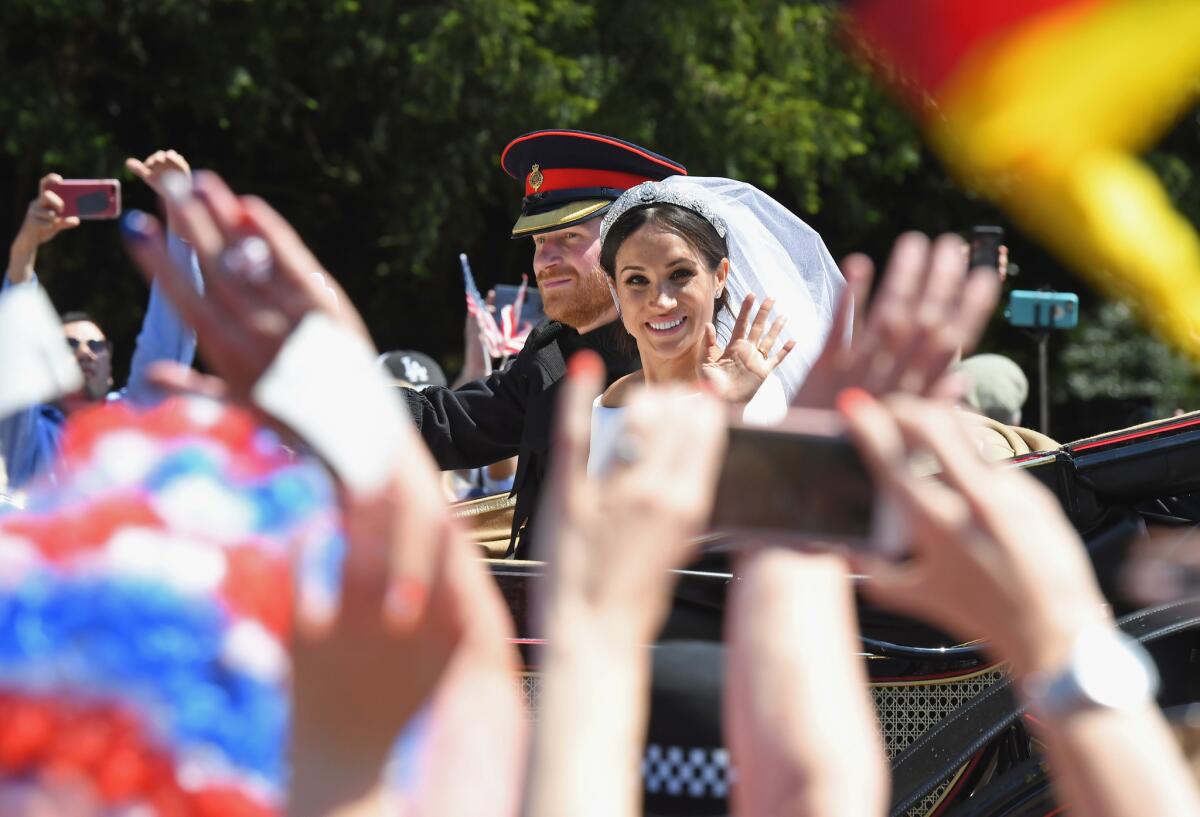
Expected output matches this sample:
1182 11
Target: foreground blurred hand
610 543
419 623
993 557
800 722
928 310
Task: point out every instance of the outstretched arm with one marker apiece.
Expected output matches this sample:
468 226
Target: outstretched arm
610 543
43 221
420 626
165 336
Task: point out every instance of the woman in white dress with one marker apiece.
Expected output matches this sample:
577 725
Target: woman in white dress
683 256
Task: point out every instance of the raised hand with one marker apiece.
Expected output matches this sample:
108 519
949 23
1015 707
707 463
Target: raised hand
43 221
155 167
260 278
737 371
993 556
927 312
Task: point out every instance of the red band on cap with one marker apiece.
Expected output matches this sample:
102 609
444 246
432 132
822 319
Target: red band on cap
569 178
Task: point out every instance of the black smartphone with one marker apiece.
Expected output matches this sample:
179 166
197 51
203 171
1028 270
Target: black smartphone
985 246
801 481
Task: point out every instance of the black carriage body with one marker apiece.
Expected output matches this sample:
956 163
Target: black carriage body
923 681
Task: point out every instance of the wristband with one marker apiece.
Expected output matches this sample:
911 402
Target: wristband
325 386
34 357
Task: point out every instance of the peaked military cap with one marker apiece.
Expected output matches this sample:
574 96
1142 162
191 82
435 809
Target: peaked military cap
571 176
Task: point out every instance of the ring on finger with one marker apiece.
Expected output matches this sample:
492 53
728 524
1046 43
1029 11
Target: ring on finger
249 259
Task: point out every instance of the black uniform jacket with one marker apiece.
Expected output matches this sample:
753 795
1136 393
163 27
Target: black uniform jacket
512 412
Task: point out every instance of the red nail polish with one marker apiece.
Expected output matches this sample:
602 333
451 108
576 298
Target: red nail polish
585 363
852 399
406 601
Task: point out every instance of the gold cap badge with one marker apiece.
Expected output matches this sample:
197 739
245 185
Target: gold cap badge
536 178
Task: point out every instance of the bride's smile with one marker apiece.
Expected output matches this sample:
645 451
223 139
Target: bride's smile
667 293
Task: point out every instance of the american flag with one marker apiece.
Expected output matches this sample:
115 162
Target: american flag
508 336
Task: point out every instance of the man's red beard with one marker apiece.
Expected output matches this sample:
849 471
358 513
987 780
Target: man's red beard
586 301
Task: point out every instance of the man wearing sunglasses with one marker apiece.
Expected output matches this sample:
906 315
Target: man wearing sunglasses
29 439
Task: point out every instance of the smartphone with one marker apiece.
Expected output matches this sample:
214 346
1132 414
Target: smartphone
89 198
531 311
985 246
1035 309
801 481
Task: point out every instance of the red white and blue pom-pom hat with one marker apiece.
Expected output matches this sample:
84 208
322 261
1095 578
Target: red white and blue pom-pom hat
571 176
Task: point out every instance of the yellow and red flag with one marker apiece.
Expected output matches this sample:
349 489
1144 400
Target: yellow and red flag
1043 105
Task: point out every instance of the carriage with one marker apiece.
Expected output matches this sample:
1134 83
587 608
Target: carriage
956 737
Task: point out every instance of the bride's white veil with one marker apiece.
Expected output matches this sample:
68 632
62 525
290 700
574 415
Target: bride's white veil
772 253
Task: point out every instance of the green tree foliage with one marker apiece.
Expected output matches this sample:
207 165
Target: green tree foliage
376 126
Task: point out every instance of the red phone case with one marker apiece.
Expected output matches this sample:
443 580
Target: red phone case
89 198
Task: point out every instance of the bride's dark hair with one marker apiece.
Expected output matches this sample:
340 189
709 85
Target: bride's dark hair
689 225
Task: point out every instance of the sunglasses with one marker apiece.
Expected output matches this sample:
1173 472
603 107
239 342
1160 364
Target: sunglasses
97 347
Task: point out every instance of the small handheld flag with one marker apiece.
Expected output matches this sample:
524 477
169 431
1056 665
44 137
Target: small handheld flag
506 337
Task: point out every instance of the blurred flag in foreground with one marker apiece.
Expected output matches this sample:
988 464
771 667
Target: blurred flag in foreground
1043 106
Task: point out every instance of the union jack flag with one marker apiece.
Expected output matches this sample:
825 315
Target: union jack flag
506 337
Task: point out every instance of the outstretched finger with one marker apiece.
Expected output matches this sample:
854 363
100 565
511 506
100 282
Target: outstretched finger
768 342
192 219
902 279
978 304
572 437
146 244
781 355
859 272
138 168
224 207
743 318
760 321
944 284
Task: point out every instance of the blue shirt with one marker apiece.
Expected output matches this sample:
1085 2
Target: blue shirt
29 439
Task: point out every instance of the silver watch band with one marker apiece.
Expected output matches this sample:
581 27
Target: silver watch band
1105 669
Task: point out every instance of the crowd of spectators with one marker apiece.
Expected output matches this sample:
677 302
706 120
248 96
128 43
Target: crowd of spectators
403 692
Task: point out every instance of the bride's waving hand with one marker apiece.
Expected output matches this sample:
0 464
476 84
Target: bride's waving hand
737 371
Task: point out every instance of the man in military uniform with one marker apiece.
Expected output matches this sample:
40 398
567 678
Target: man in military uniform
571 178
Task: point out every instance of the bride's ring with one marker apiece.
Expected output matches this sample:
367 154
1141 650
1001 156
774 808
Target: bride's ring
249 259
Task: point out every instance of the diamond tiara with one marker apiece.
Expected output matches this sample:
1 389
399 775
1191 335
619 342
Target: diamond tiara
658 193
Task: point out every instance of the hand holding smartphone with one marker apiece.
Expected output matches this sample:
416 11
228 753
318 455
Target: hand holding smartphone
89 198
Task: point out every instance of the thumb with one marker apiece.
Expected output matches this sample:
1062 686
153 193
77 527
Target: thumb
712 350
137 168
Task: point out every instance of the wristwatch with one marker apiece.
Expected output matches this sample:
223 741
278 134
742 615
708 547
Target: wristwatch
1105 669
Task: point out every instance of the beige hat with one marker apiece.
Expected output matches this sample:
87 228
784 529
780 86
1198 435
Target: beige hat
996 386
